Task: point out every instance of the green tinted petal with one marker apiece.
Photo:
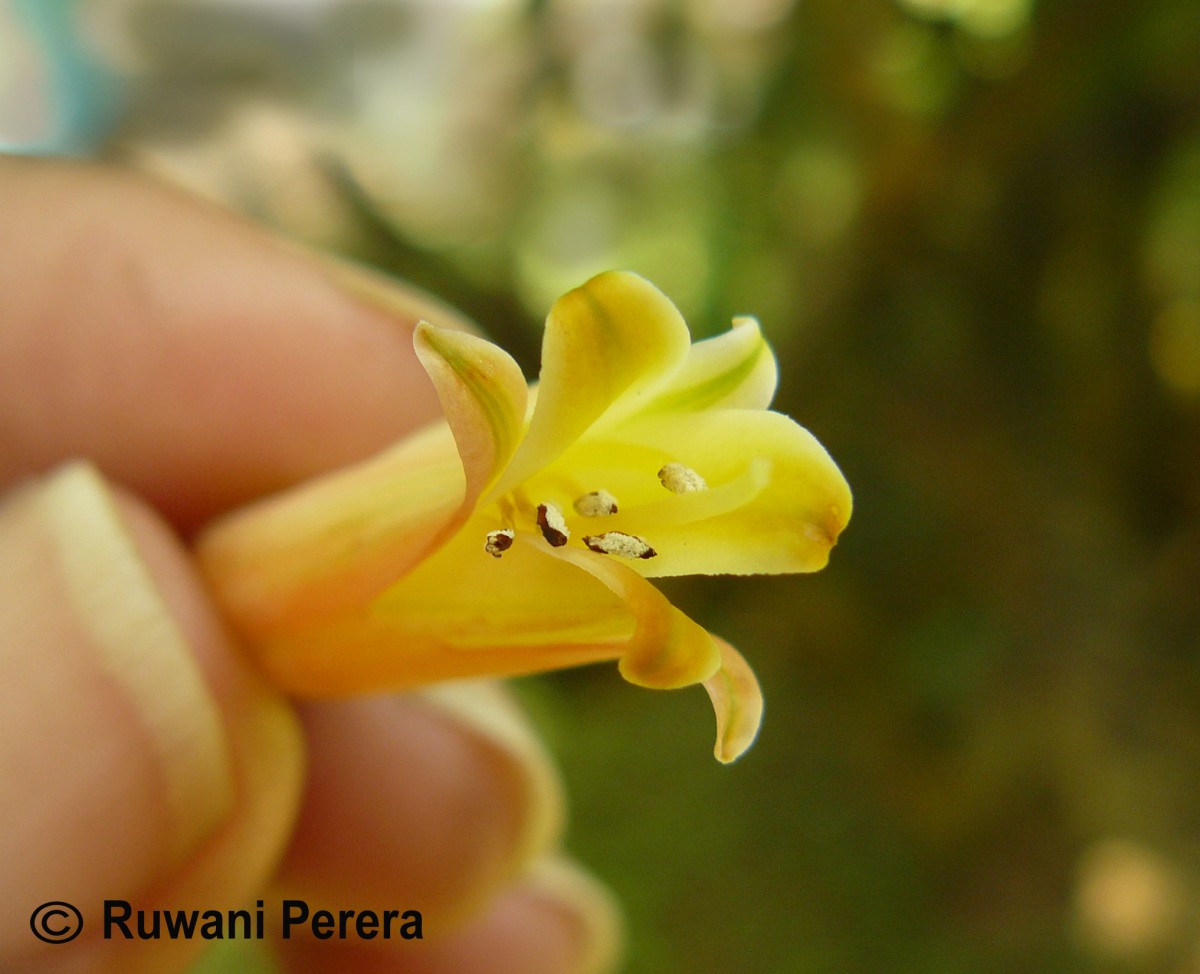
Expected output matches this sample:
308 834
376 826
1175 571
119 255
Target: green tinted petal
735 370
609 346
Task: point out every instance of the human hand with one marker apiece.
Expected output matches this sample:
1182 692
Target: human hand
197 363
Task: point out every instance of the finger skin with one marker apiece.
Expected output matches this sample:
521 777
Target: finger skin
192 356
406 804
200 363
160 769
520 933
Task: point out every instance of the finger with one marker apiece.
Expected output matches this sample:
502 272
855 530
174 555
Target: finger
194 357
434 800
555 920
142 760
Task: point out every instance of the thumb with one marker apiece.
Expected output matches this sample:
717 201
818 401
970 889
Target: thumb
141 759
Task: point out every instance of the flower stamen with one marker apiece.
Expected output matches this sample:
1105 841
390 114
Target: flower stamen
619 543
597 503
554 526
679 479
499 542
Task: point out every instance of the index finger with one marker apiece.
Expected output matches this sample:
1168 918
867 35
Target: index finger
190 355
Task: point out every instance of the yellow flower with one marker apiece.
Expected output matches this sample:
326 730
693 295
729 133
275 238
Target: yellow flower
518 535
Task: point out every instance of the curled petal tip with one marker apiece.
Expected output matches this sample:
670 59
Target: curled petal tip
737 701
483 395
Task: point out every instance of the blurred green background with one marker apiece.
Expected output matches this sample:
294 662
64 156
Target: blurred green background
971 230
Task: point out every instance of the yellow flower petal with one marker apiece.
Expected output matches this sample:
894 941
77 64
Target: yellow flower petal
737 701
369 654
460 613
735 370
463 612
483 395
609 345
335 543
775 501
789 525
667 650
629 472
471 600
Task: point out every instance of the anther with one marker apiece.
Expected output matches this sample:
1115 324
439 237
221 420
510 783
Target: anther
619 543
554 528
679 479
596 504
498 542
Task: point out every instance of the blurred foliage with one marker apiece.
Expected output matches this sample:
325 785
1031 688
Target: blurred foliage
971 228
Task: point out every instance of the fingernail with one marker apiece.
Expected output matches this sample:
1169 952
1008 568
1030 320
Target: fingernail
485 709
117 764
586 908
